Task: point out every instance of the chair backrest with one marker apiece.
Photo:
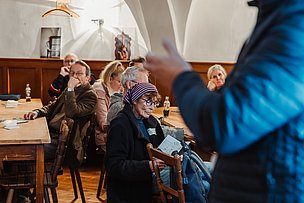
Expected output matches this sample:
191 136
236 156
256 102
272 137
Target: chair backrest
89 133
79 139
65 130
166 192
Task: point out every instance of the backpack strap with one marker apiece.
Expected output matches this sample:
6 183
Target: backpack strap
201 165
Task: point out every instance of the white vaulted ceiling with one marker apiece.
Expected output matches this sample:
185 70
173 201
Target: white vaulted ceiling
203 30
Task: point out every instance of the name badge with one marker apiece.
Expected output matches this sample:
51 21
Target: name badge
151 131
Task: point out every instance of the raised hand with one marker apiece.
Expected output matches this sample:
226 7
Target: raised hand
64 71
211 86
166 67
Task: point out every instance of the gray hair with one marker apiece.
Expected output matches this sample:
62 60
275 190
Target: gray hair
72 55
216 67
131 74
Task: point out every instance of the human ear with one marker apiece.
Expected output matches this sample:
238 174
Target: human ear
128 84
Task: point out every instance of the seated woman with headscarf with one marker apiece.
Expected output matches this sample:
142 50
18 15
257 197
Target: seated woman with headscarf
129 170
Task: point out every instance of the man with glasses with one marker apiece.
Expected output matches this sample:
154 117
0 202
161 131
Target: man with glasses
60 83
77 102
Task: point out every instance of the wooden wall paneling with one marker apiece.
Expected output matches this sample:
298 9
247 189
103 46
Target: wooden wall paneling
16 72
163 90
39 82
96 73
97 66
48 76
3 80
19 77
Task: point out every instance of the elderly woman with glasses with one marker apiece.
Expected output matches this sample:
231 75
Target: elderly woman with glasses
108 84
129 170
217 76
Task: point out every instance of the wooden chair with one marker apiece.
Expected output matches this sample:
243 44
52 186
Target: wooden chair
102 184
74 171
25 179
167 192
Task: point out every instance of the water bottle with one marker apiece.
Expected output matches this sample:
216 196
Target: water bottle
166 106
27 93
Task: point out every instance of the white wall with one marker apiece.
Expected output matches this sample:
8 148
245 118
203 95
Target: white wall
21 22
214 30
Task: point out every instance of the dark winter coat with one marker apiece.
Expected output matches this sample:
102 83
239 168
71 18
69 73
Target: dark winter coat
127 160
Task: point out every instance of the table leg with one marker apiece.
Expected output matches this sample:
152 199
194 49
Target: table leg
39 173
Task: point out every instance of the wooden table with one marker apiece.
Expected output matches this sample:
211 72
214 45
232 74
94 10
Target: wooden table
26 142
175 120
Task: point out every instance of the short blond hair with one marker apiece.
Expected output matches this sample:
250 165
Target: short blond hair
216 67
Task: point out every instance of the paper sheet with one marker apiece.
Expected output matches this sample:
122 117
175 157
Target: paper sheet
169 145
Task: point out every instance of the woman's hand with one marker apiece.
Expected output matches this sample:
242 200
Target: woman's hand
160 163
211 86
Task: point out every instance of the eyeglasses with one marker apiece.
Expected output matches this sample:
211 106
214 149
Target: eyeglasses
78 74
150 102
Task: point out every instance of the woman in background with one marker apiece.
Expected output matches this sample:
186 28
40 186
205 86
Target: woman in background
108 84
216 75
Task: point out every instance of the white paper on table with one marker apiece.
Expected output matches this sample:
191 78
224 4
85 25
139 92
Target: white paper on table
11 104
11 127
169 145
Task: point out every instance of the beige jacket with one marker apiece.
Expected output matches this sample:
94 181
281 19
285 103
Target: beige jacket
101 113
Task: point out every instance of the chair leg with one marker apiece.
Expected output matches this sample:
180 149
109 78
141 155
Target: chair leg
72 172
99 184
101 177
46 195
54 195
103 194
78 178
10 195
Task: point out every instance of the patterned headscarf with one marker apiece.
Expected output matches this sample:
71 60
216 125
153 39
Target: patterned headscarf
138 91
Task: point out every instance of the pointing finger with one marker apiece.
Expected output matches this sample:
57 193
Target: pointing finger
169 47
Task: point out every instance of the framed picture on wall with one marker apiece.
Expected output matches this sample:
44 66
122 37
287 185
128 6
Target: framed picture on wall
50 43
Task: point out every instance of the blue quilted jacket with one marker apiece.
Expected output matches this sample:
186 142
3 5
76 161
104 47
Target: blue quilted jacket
256 122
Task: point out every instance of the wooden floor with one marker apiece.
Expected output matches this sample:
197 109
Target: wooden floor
89 176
